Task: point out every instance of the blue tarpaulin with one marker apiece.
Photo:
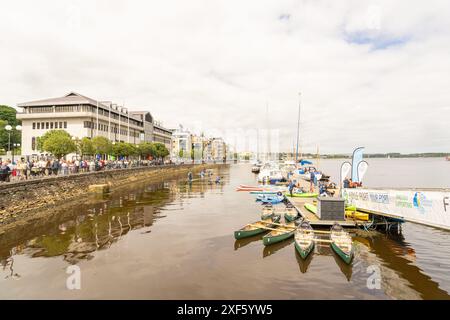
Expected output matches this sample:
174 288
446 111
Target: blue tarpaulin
303 162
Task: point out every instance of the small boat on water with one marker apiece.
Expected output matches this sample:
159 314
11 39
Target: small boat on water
311 207
281 233
267 212
356 215
257 227
256 169
302 195
272 199
291 213
270 173
341 243
304 239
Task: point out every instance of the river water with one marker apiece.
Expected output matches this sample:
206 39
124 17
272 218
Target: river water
175 241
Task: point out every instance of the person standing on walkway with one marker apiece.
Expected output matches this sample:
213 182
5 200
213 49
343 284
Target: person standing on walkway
311 181
291 187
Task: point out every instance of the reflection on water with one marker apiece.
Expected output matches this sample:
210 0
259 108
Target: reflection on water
272 249
175 240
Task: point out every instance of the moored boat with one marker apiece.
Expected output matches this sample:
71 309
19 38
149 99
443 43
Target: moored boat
255 169
290 213
357 215
302 195
267 212
281 233
257 227
304 239
341 243
311 207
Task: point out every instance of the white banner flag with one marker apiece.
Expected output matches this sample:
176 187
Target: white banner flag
345 170
362 169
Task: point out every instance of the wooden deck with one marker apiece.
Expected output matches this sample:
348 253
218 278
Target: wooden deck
299 203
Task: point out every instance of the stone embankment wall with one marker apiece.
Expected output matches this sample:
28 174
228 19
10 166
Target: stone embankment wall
20 199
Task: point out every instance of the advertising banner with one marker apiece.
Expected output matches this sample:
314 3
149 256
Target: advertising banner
356 159
430 207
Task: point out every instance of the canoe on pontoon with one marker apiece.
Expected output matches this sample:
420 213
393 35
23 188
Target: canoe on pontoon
341 243
311 208
281 233
357 215
304 239
257 227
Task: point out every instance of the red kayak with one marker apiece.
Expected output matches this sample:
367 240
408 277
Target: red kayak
243 187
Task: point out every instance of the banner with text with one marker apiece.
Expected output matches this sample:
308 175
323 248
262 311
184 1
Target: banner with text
422 206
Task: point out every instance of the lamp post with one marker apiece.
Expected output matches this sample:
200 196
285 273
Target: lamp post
9 129
14 146
75 140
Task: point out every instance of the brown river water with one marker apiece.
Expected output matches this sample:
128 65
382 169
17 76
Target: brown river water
175 241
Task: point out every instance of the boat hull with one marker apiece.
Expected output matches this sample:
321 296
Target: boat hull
304 253
291 217
268 239
302 195
347 258
241 233
311 208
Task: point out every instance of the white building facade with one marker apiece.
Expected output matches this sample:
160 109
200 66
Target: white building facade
81 117
181 145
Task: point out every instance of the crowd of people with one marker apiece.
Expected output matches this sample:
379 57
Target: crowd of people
23 169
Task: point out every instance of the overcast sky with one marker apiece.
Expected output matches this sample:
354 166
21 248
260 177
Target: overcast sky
371 73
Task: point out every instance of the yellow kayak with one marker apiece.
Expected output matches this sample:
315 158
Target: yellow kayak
356 215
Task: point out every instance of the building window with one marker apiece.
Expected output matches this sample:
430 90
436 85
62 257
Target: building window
33 143
38 125
46 125
56 125
51 125
34 125
42 125
60 125
65 124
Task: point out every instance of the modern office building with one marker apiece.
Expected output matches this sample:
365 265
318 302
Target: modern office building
147 120
162 134
83 117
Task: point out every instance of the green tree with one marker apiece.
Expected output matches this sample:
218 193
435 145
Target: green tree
123 149
160 150
57 142
8 116
101 145
86 147
146 149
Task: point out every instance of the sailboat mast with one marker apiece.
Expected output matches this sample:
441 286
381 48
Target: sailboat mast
298 125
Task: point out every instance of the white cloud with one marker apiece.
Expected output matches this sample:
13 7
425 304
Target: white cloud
220 62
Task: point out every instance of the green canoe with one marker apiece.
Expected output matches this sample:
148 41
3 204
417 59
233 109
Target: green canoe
255 228
341 243
291 214
304 239
302 195
311 208
267 212
280 234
